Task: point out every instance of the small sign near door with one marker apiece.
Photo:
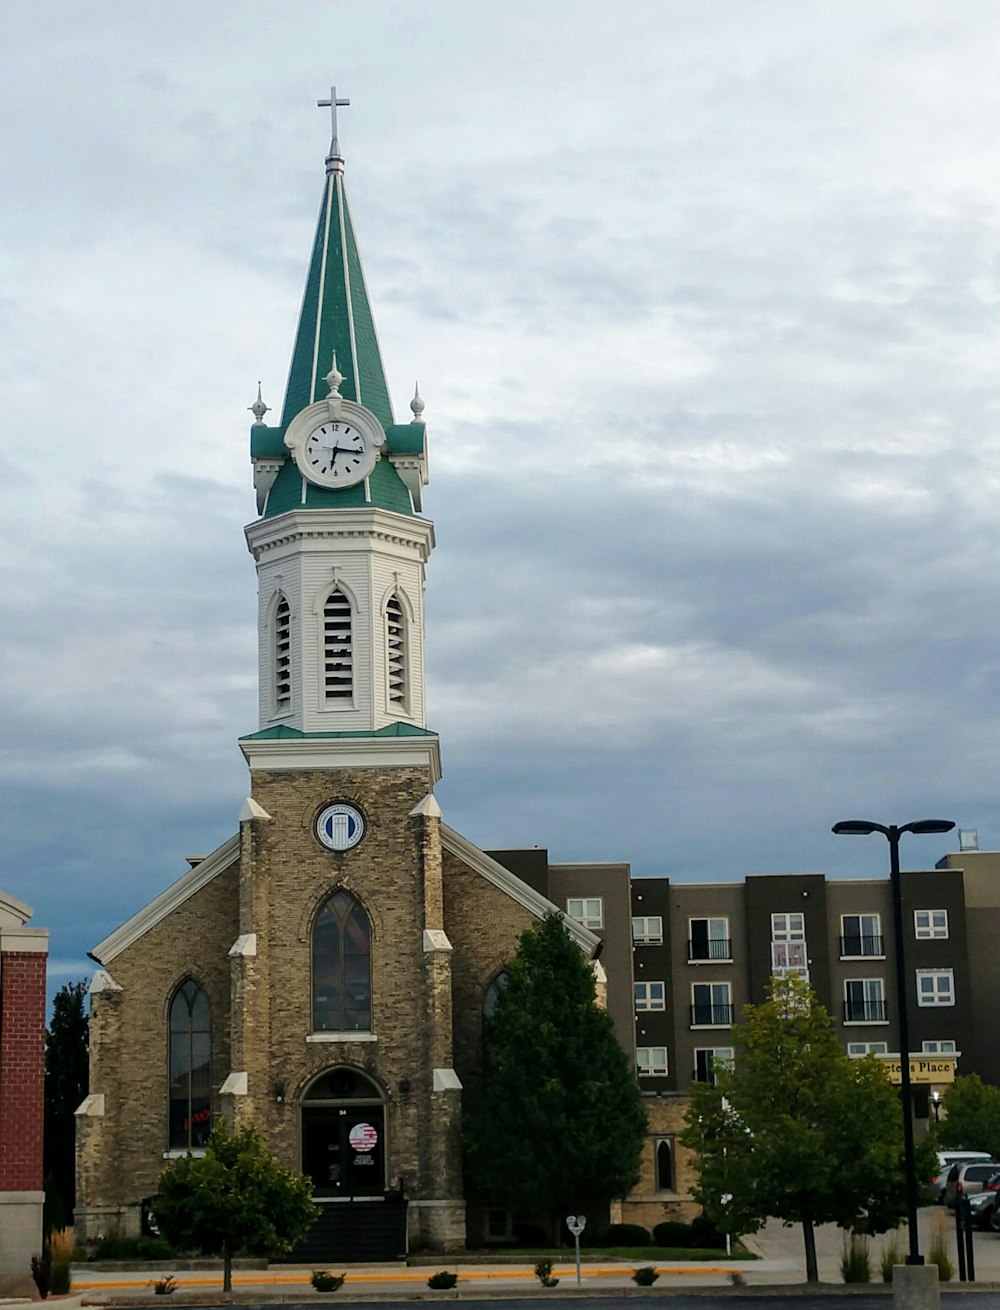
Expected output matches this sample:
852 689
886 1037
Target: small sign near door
363 1137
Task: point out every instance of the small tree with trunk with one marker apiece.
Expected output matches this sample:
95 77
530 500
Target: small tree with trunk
67 1075
796 1130
559 1124
235 1197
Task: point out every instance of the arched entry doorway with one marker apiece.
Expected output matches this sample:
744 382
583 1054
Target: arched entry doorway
343 1136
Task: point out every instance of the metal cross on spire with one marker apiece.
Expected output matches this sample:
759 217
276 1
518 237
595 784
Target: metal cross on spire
334 160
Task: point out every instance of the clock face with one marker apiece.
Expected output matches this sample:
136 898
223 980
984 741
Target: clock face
340 827
337 454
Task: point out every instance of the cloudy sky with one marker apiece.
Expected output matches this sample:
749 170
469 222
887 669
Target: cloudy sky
702 298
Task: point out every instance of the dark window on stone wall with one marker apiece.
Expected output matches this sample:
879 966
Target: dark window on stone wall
341 967
190 1111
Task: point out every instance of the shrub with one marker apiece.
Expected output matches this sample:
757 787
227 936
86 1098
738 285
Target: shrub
672 1233
704 1233
60 1278
855 1261
938 1252
442 1280
324 1281
165 1285
41 1272
543 1272
645 1277
133 1248
627 1235
891 1255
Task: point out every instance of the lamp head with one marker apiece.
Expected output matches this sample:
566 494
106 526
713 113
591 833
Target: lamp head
929 825
856 828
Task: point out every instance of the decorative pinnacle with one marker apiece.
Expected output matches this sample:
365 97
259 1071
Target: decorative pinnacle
258 409
417 404
334 378
334 160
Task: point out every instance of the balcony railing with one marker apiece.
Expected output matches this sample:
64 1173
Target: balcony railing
862 945
706 1015
865 1011
710 948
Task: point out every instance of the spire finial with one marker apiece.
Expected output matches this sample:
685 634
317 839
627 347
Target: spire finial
258 409
334 160
417 404
334 378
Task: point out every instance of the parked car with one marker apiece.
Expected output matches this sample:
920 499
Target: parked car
946 1159
983 1208
965 1180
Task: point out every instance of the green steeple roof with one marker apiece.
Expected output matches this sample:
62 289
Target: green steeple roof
336 317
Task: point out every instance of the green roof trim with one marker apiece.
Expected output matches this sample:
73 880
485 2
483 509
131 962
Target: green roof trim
282 732
406 438
267 443
336 316
385 487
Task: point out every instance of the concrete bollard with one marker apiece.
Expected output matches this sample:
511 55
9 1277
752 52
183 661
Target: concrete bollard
915 1287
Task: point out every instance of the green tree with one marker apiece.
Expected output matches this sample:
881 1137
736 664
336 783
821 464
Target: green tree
797 1131
971 1119
67 1078
559 1124
234 1197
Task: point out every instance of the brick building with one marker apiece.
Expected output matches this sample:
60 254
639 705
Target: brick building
23 954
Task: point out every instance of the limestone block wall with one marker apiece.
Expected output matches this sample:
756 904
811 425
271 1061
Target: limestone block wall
648 1203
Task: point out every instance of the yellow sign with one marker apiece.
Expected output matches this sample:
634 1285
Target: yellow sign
929 1069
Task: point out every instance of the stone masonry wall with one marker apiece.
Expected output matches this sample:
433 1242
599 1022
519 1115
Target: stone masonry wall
648 1204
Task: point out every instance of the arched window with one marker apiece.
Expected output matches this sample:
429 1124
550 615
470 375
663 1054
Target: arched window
395 627
665 1165
493 993
338 672
190 1109
341 967
282 656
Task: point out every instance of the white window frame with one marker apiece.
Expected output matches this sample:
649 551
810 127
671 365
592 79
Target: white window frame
713 1004
647 997
397 700
930 925
935 996
647 930
720 1055
862 936
649 1065
788 926
873 993
282 664
343 697
585 912
943 1047
713 922
858 1050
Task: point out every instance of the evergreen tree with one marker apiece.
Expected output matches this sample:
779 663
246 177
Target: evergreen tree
234 1197
67 1078
796 1130
559 1124
971 1119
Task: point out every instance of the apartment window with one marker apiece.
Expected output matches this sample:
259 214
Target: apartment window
860 935
864 1001
711 1005
789 957
788 927
650 996
938 1048
708 1060
588 910
709 939
665 1164
647 930
652 1060
930 923
935 987
856 1050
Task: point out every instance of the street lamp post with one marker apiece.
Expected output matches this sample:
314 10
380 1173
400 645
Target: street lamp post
892 834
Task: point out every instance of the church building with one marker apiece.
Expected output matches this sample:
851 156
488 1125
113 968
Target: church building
324 973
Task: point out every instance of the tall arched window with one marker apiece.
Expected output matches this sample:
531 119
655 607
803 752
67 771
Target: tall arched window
282 655
665 1165
395 626
338 671
341 967
190 1094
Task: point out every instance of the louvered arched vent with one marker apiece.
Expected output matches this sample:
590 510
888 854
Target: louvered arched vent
338 663
396 632
282 655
